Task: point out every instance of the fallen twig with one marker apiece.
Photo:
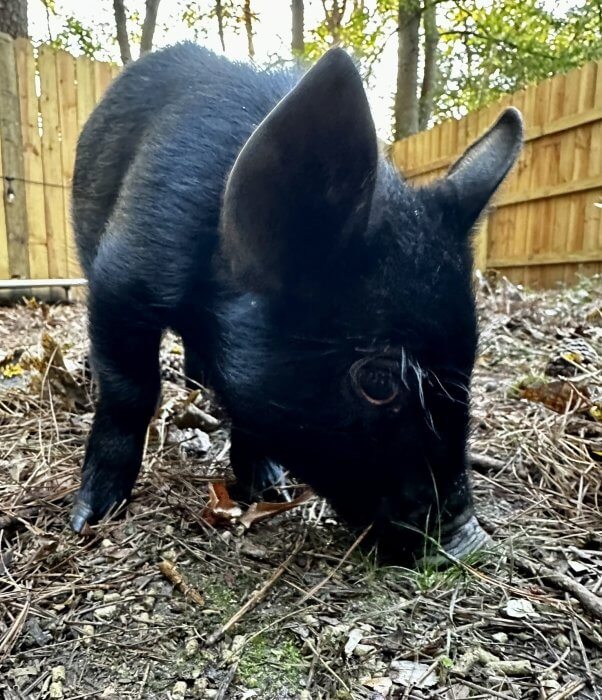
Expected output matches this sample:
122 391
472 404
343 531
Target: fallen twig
171 573
590 601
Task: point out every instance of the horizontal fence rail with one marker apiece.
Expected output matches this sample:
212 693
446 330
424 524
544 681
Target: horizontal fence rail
545 224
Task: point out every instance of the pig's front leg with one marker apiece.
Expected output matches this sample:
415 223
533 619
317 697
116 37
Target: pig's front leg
125 353
258 478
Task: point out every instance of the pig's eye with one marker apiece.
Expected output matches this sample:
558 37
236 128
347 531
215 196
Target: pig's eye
376 380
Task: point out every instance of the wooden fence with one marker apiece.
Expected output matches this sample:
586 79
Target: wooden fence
545 225
546 222
45 98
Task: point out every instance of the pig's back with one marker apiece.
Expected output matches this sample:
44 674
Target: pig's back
155 153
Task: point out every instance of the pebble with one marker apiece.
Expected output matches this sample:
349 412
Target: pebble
500 637
362 650
192 648
107 612
562 641
112 597
58 674
179 690
149 602
87 634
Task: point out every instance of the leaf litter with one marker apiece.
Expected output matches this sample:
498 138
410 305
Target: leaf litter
293 607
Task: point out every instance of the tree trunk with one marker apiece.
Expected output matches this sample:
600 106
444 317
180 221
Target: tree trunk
219 13
13 18
122 31
248 17
148 28
297 42
406 97
429 78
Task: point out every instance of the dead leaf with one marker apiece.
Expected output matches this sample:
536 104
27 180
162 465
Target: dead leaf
265 510
412 673
53 378
221 508
558 396
519 608
380 684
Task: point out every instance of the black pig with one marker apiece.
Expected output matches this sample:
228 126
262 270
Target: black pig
327 302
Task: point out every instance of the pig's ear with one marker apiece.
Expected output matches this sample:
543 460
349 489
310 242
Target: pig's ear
477 174
301 188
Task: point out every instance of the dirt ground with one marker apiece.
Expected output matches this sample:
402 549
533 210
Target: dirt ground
142 606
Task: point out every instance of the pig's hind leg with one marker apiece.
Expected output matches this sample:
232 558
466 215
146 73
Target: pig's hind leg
194 368
125 354
258 478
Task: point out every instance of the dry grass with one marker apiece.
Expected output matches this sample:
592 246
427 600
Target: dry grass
95 617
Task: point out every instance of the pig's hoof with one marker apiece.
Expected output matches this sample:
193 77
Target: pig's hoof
458 542
269 483
81 515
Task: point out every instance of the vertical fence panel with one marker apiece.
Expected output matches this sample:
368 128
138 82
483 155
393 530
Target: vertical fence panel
65 66
32 159
15 205
53 165
592 232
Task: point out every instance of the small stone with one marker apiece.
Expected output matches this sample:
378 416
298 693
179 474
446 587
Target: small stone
192 648
500 637
106 613
209 694
179 690
98 595
112 597
55 691
105 544
58 674
170 554
310 620
362 650
169 530
199 688
143 617
304 695
562 641
149 602
353 640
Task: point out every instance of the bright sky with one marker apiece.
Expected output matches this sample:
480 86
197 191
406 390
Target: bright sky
272 37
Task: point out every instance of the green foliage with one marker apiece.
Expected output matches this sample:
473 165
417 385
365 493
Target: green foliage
75 35
491 48
363 29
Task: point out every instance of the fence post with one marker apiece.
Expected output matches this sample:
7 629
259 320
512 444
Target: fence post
13 186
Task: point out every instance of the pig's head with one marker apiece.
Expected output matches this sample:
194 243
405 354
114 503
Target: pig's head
350 334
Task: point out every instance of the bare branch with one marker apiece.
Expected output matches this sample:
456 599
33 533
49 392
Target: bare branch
122 31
